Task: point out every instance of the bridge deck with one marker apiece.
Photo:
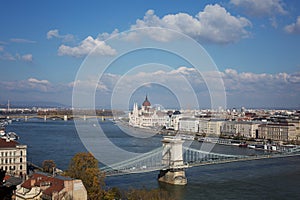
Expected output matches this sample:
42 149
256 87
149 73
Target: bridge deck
151 161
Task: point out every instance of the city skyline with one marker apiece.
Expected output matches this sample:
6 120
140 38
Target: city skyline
254 45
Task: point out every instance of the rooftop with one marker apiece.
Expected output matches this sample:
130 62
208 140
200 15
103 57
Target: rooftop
38 179
7 143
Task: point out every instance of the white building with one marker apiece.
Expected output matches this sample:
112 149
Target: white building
13 157
147 116
211 127
189 124
240 128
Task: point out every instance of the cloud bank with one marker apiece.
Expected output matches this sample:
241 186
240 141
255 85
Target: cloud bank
214 24
246 88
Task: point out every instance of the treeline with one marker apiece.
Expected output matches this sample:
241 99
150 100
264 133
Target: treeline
101 112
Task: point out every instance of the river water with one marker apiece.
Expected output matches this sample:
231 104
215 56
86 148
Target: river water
277 178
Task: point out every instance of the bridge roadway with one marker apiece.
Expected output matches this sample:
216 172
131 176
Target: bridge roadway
151 161
69 117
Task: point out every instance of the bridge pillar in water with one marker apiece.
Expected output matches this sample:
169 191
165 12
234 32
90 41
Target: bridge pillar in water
65 118
45 118
26 118
173 160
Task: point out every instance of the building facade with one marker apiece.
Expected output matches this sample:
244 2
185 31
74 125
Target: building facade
211 127
189 124
146 116
246 129
277 131
13 157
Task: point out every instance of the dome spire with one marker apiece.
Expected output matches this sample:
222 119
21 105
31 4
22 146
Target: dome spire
146 102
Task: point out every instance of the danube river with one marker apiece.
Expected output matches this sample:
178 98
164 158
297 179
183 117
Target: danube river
277 178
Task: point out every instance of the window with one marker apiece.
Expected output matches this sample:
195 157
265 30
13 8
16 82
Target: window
21 167
21 153
21 160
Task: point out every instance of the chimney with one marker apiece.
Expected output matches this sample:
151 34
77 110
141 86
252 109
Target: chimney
32 182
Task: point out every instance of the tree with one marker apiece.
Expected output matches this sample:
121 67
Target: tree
48 166
84 166
113 194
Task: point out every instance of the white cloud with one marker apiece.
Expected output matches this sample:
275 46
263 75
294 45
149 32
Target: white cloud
294 27
261 7
52 34
213 24
105 36
10 57
25 86
1 48
89 84
27 57
34 80
55 34
89 44
279 83
7 56
21 40
39 85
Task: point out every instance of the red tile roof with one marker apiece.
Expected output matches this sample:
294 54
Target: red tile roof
6 177
10 144
38 180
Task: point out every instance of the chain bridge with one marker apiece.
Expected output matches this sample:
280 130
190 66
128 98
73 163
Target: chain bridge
173 158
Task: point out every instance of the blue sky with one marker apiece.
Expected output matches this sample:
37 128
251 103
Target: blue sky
255 45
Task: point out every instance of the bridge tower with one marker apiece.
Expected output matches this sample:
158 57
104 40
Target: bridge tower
172 159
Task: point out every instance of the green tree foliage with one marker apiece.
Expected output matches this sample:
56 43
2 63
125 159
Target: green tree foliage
48 166
84 166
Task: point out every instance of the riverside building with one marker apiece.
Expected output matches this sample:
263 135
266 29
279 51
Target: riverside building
13 157
146 116
277 131
248 129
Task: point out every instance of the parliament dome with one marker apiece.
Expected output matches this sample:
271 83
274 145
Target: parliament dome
146 103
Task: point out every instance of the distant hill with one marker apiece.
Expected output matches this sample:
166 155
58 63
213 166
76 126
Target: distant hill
28 104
